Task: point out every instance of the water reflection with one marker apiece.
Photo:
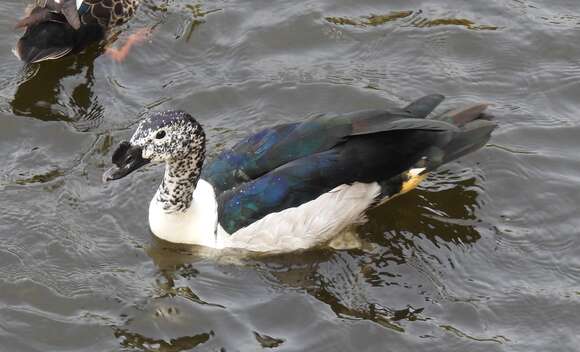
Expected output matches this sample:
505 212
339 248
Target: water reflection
136 341
60 90
410 18
443 211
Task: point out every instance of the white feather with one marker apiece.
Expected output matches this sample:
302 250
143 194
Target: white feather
197 225
415 172
311 224
308 225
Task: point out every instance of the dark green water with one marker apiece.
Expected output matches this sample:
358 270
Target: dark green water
488 248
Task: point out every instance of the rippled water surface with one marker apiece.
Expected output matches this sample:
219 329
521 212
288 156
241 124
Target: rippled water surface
484 256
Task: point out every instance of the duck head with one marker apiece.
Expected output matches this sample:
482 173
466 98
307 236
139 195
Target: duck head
172 137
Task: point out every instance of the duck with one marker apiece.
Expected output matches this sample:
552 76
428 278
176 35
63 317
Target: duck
293 186
57 28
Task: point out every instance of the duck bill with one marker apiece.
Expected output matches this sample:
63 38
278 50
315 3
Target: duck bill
127 158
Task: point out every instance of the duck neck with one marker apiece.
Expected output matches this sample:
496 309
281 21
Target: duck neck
175 192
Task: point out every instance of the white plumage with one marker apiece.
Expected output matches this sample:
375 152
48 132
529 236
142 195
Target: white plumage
311 224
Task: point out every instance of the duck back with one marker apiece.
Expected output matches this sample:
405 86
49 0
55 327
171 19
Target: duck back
54 39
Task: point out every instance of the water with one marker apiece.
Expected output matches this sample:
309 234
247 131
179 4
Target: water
483 257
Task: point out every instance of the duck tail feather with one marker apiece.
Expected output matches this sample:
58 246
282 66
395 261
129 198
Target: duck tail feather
32 54
471 137
422 107
46 41
463 115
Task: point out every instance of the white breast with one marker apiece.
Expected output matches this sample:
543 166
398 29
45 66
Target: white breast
195 226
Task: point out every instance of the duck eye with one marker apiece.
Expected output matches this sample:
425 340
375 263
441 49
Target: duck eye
160 134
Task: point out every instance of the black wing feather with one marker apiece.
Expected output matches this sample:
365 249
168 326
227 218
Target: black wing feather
289 165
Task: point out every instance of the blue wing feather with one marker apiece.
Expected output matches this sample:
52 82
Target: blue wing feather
369 158
291 164
240 163
263 152
289 185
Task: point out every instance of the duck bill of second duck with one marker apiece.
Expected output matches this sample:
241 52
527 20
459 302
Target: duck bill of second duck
297 185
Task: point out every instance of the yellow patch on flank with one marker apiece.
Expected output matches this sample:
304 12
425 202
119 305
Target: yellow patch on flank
413 181
414 178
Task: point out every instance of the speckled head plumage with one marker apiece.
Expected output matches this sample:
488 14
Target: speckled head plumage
173 137
169 136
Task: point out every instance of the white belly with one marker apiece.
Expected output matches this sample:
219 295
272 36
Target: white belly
308 225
